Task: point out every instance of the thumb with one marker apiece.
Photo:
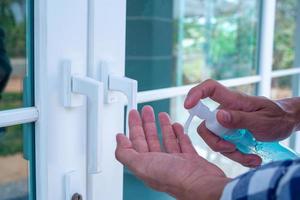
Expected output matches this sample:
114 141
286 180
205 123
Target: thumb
125 152
123 141
236 119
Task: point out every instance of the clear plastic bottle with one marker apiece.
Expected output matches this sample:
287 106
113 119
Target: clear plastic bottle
242 138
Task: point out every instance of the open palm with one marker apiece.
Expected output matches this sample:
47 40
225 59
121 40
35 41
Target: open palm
175 168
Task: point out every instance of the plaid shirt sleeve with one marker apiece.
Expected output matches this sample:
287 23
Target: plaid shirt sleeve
277 180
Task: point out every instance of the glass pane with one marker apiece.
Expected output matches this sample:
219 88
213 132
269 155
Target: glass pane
248 89
13 167
12 52
285 32
219 39
171 43
283 87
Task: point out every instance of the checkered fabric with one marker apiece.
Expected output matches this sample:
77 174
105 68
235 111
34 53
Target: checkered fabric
277 180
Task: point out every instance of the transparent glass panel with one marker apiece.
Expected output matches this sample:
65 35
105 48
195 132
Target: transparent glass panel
250 89
282 87
13 167
285 33
12 52
218 40
171 43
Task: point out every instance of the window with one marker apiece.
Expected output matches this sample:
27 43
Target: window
214 36
13 52
14 169
16 147
171 45
285 34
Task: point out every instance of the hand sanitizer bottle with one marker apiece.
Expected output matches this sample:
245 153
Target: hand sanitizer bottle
242 138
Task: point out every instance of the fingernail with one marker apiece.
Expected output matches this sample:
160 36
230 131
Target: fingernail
225 116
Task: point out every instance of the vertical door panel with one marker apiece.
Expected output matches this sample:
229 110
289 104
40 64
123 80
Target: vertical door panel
60 33
107 44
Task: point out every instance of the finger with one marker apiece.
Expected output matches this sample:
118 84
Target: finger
213 141
169 138
125 152
219 93
136 132
209 88
149 125
248 160
185 143
238 119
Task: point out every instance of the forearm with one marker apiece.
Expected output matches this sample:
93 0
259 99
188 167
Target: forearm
292 108
280 181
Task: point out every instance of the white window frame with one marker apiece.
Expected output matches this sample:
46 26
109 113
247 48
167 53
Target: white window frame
265 72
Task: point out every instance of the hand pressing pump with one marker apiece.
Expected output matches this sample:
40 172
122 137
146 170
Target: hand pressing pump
242 138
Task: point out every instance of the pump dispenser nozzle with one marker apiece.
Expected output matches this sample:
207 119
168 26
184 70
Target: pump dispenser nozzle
187 124
210 117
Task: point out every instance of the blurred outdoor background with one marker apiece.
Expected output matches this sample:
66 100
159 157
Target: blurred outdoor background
172 43
168 43
13 167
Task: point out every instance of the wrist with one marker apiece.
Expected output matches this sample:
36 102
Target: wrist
292 107
217 188
212 189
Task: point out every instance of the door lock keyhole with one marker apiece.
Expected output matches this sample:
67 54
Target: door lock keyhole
77 196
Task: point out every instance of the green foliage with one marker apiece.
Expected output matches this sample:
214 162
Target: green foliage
223 41
11 139
15 32
10 100
284 45
15 43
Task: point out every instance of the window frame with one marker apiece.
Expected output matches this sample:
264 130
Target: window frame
265 71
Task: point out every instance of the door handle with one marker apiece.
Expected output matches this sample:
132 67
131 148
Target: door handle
75 85
127 86
113 82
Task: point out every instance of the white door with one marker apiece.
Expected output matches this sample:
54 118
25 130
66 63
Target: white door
75 43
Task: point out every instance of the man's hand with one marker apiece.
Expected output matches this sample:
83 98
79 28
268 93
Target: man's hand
266 119
176 168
